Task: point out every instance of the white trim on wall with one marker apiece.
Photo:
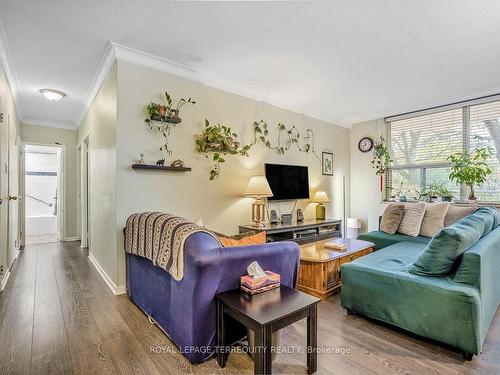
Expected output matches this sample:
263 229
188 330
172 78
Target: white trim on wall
122 289
134 56
117 52
7 274
107 61
70 239
48 123
8 68
4 281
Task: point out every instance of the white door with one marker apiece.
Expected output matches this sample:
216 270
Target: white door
84 193
13 198
4 203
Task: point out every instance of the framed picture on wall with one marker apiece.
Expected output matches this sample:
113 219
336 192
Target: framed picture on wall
327 163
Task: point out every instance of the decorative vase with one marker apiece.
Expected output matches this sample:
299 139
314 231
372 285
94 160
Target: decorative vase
320 212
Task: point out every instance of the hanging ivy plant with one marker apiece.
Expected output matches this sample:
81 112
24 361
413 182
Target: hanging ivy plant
161 118
219 140
261 133
381 156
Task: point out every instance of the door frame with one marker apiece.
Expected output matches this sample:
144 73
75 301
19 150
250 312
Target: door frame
61 188
84 191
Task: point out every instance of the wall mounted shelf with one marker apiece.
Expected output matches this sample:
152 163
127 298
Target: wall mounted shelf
160 167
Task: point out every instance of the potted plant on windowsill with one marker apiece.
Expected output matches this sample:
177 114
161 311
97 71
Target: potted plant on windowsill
436 191
471 169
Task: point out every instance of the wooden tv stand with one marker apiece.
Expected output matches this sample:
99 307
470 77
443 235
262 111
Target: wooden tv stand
302 232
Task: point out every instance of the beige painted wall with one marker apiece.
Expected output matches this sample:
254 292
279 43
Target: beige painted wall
100 125
69 138
8 108
366 198
218 203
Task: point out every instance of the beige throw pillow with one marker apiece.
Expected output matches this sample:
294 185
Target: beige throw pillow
412 219
433 220
457 212
391 218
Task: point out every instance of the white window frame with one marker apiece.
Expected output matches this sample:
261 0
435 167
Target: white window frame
465 106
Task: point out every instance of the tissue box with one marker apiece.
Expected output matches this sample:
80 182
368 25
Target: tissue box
261 284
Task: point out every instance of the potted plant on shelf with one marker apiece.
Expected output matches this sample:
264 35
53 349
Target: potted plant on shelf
162 117
437 191
219 140
470 168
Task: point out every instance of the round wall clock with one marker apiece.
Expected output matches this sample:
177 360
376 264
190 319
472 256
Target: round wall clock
365 144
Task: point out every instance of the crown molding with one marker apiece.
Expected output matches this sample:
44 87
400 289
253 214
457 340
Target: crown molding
48 123
107 61
136 57
478 97
8 68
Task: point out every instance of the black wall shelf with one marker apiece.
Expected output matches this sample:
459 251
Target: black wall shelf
160 167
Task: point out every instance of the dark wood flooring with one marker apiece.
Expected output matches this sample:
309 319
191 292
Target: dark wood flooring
58 316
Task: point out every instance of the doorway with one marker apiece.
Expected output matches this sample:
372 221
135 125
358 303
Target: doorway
43 193
83 193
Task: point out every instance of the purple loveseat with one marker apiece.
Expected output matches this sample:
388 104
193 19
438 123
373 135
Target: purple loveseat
185 309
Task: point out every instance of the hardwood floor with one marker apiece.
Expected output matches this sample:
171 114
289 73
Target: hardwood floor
58 317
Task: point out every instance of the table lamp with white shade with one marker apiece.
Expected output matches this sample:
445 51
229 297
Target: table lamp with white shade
258 188
321 198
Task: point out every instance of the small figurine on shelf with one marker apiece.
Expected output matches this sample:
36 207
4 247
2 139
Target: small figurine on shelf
177 163
160 163
141 160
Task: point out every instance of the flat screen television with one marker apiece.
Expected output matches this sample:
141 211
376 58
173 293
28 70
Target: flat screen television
287 181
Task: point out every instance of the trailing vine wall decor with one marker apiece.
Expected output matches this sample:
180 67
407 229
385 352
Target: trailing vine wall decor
219 140
261 133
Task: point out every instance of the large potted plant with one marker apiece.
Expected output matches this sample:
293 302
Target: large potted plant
470 168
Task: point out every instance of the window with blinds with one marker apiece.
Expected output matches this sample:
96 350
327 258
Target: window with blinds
485 131
420 146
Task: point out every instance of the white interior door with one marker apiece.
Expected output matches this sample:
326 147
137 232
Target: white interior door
4 192
13 196
84 192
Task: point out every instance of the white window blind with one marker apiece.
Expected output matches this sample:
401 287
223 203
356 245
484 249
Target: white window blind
421 143
428 139
485 131
419 147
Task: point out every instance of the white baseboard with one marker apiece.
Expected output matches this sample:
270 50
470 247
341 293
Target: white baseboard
7 274
70 239
4 281
122 289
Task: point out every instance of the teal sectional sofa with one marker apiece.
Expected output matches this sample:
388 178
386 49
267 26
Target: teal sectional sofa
455 309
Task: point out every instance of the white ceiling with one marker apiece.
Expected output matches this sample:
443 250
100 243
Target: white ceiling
346 61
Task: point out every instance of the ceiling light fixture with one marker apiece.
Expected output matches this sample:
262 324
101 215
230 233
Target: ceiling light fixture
52 94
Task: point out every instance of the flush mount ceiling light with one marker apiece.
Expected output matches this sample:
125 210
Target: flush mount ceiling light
52 94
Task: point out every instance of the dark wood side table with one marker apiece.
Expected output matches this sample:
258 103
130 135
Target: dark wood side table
264 314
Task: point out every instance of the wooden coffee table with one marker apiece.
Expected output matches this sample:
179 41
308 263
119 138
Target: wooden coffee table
319 272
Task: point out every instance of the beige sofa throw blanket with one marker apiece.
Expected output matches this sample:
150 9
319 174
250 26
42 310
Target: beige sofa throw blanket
160 238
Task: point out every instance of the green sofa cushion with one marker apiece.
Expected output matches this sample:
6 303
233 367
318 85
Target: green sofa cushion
489 219
381 239
379 286
445 247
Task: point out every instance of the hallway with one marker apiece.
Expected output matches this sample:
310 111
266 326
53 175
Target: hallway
58 316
